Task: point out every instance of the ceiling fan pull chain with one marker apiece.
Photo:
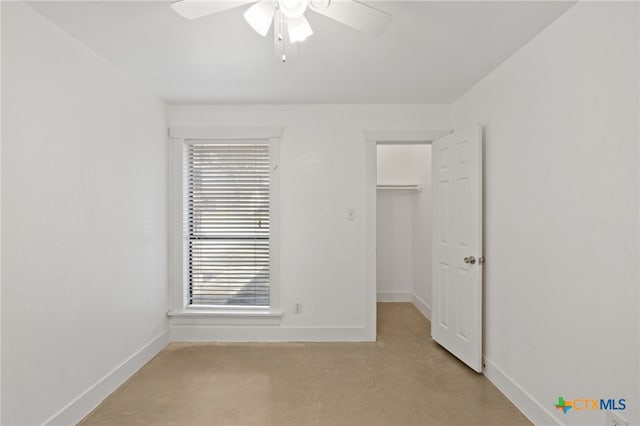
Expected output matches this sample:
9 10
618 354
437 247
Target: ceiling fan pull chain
279 19
283 22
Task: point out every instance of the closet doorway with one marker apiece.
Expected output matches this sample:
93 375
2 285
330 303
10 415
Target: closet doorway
403 224
405 240
418 191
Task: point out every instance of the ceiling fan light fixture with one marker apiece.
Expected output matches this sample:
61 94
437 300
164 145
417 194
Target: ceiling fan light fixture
289 22
293 8
319 5
260 16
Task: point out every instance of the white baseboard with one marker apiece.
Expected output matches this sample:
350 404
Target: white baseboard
77 409
532 409
181 332
199 333
393 296
422 306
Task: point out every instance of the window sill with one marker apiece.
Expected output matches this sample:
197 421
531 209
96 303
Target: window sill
213 317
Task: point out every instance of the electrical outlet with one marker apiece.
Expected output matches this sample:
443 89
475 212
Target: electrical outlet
615 419
298 308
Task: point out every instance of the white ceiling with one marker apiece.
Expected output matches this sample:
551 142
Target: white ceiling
431 53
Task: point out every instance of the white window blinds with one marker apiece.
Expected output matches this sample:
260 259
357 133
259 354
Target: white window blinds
227 203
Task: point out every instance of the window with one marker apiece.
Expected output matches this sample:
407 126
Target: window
224 199
227 230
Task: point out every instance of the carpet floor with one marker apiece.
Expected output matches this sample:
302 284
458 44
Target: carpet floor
402 379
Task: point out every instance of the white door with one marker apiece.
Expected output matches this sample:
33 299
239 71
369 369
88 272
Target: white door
457 245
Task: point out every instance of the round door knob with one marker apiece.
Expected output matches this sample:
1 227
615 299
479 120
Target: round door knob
470 260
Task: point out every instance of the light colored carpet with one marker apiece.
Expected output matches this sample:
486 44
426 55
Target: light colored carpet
402 379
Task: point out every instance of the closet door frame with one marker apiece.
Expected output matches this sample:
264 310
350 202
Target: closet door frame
373 138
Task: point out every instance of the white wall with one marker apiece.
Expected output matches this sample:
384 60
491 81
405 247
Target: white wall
400 164
322 158
561 244
84 213
421 242
403 225
0 232
394 236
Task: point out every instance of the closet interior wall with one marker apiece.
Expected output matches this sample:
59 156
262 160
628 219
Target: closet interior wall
404 225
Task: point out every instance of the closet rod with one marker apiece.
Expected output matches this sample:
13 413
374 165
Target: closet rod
412 188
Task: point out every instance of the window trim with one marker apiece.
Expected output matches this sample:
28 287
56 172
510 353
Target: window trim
179 308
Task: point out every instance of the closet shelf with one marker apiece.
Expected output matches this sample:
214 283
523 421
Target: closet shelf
410 188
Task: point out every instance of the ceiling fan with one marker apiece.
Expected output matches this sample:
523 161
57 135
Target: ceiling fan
287 16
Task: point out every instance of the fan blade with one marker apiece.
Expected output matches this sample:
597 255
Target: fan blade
299 29
357 15
260 16
192 9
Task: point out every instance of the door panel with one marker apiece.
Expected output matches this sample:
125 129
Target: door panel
443 318
457 249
